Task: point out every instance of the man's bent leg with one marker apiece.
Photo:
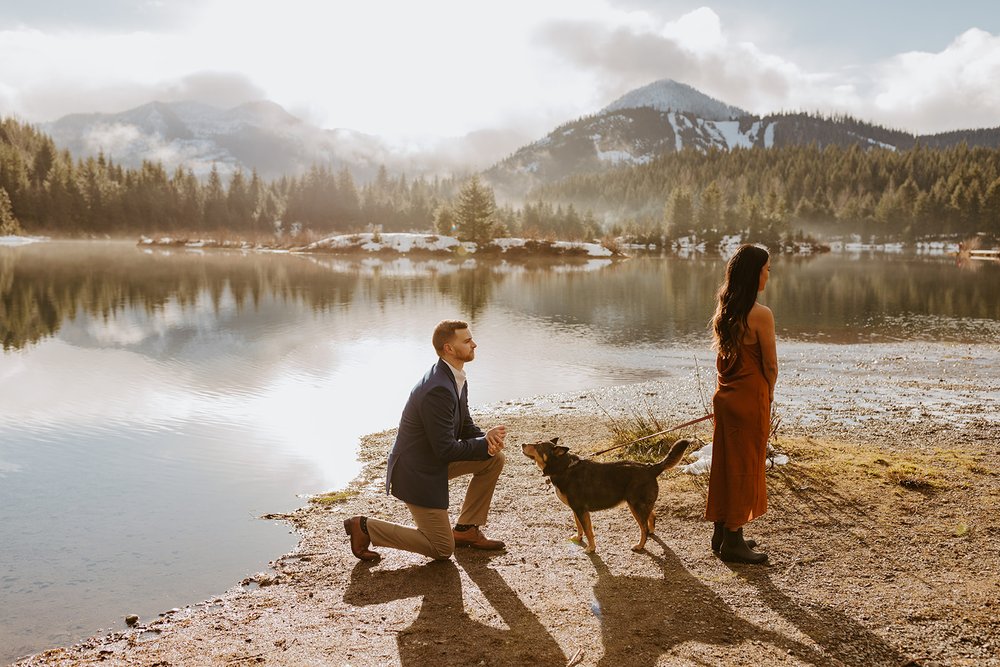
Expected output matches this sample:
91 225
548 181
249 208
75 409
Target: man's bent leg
478 497
432 537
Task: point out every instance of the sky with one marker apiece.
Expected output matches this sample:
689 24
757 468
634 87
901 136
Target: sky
502 74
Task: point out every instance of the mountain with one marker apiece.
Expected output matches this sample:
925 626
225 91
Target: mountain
257 135
662 117
667 116
669 95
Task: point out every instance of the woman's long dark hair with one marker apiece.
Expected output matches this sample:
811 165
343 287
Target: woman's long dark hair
736 295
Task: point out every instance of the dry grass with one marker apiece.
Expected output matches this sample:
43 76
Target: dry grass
631 435
853 464
936 470
333 498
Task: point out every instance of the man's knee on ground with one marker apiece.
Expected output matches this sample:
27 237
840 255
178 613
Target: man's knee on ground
442 550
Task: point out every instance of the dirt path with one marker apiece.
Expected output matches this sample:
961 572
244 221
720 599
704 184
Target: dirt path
883 533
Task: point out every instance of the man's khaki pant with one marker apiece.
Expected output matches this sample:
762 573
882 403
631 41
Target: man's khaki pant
433 537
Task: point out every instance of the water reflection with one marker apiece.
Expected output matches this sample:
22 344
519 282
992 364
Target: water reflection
133 298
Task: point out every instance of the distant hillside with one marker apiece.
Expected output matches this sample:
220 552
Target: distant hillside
668 117
987 138
256 135
662 118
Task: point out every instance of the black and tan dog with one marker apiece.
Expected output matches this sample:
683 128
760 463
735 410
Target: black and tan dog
588 486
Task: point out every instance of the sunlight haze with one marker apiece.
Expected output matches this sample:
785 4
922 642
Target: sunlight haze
420 73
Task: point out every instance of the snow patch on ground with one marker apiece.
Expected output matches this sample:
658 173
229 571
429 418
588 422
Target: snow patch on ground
615 156
407 242
400 242
678 143
769 136
729 131
593 249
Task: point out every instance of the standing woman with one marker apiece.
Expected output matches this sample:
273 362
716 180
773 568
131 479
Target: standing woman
747 364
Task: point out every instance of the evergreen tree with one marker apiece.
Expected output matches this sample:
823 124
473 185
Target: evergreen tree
474 212
239 204
45 159
991 208
349 210
710 208
9 226
680 214
444 221
189 200
216 208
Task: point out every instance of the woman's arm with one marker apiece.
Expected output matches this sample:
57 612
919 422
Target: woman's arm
763 323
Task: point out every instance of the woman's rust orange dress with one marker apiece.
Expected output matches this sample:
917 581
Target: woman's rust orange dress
737 492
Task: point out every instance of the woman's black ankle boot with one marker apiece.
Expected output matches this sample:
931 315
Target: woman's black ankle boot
735 550
717 534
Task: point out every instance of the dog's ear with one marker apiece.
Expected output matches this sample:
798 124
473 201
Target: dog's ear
560 450
554 441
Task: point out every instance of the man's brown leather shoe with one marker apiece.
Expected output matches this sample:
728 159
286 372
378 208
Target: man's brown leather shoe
474 538
359 539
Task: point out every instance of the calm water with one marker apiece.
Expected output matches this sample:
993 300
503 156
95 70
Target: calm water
153 403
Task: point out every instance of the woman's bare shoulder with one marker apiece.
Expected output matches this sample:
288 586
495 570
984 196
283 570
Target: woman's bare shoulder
760 312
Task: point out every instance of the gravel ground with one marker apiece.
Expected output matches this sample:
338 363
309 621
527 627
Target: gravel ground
883 534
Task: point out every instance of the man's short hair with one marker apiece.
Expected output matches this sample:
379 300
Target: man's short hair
444 332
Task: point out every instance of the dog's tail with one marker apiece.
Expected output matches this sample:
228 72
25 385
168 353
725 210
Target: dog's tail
672 458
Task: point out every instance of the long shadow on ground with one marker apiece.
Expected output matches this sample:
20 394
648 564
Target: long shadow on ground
643 618
443 633
841 637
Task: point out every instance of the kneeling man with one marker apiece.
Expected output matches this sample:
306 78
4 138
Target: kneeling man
437 440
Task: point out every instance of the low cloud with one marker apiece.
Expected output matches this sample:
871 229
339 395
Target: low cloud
919 92
694 49
219 89
114 139
462 155
956 87
49 102
124 142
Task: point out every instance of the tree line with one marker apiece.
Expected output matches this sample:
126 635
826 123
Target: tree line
765 193
44 190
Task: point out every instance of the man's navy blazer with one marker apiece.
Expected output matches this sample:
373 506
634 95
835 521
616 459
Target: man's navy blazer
435 430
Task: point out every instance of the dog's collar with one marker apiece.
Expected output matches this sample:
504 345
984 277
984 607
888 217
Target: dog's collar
573 462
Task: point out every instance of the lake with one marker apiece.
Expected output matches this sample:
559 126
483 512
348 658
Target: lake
154 402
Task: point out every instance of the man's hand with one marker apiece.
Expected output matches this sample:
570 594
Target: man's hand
494 439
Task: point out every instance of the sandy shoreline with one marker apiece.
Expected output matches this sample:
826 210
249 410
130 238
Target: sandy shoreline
864 570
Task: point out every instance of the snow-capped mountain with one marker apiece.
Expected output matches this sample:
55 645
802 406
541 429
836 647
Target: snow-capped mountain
669 95
667 116
257 135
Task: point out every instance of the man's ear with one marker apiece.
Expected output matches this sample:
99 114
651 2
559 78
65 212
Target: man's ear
554 441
